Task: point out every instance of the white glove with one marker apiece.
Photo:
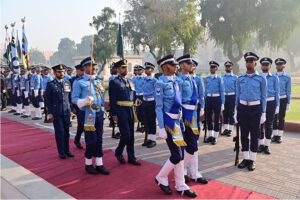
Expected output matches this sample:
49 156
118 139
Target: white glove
163 133
201 112
36 93
4 91
18 93
288 107
26 94
42 92
235 116
263 118
277 110
84 102
222 107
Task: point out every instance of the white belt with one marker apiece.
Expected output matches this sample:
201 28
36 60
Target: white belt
213 95
22 88
149 99
189 107
173 116
230 93
283 96
139 94
270 98
250 103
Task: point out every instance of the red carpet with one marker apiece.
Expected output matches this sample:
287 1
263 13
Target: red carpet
35 149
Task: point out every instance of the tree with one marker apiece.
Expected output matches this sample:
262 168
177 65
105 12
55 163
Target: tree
105 39
292 49
36 57
161 26
232 23
66 52
84 47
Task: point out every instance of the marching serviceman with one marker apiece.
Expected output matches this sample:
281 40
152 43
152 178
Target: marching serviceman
58 107
200 86
88 95
10 91
285 99
214 102
149 106
75 109
230 87
190 98
272 105
46 77
25 84
68 74
121 96
3 84
168 108
251 102
20 86
34 86
138 82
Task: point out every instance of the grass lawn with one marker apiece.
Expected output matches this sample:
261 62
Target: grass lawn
294 113
296 90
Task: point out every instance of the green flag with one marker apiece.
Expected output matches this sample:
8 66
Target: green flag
120 51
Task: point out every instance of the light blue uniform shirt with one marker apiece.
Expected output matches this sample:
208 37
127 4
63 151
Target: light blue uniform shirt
164 97
273 87
186 88
252 88
35 82
138 82
214 85
80 90
112 77
229 80
45 80
149 87
8 81
201 91
24 84
67 77
285 85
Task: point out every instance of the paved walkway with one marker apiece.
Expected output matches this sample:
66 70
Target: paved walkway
277 175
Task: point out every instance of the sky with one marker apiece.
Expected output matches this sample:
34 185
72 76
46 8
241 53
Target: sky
47 21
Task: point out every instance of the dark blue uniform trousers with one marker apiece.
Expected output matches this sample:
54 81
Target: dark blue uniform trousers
266 131
213 106
177 153
18 98
12 97
280 117
228 112
149 117
61 125
25 100
249 119
191 140
139 110
94 139
34 100
126 127
80 124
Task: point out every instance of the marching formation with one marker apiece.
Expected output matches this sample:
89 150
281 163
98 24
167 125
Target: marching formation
181 102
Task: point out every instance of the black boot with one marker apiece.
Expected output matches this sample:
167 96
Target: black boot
151 144
134 161
251 165
279 139
165 189
274 138
228 134
188 193
102 170
11 111
224 132
201 180
78 145
213 141
90 169
244 164
208 140
120 158
267 150
261 148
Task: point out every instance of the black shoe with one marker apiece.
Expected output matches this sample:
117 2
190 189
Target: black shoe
213 141
188 193
224 132
11 111
145 143
3 109
244 164
62 156
90 169
102 170
165 189
47 121
228 134
17 113
279 140
134 162
69 154
261 148
151 144
186 179
267 150
36 118
274 138
201 180
251 165
117 135
25 116
120 158
208 140
78 145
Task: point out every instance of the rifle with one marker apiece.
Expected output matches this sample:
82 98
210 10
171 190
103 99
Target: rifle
236 139
205 125
221 121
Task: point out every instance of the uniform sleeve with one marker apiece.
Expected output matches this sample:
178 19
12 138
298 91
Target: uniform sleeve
237 92
112 98
75 92
222 91
263 88
288 90
48 95
277 99
201 92
159 97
